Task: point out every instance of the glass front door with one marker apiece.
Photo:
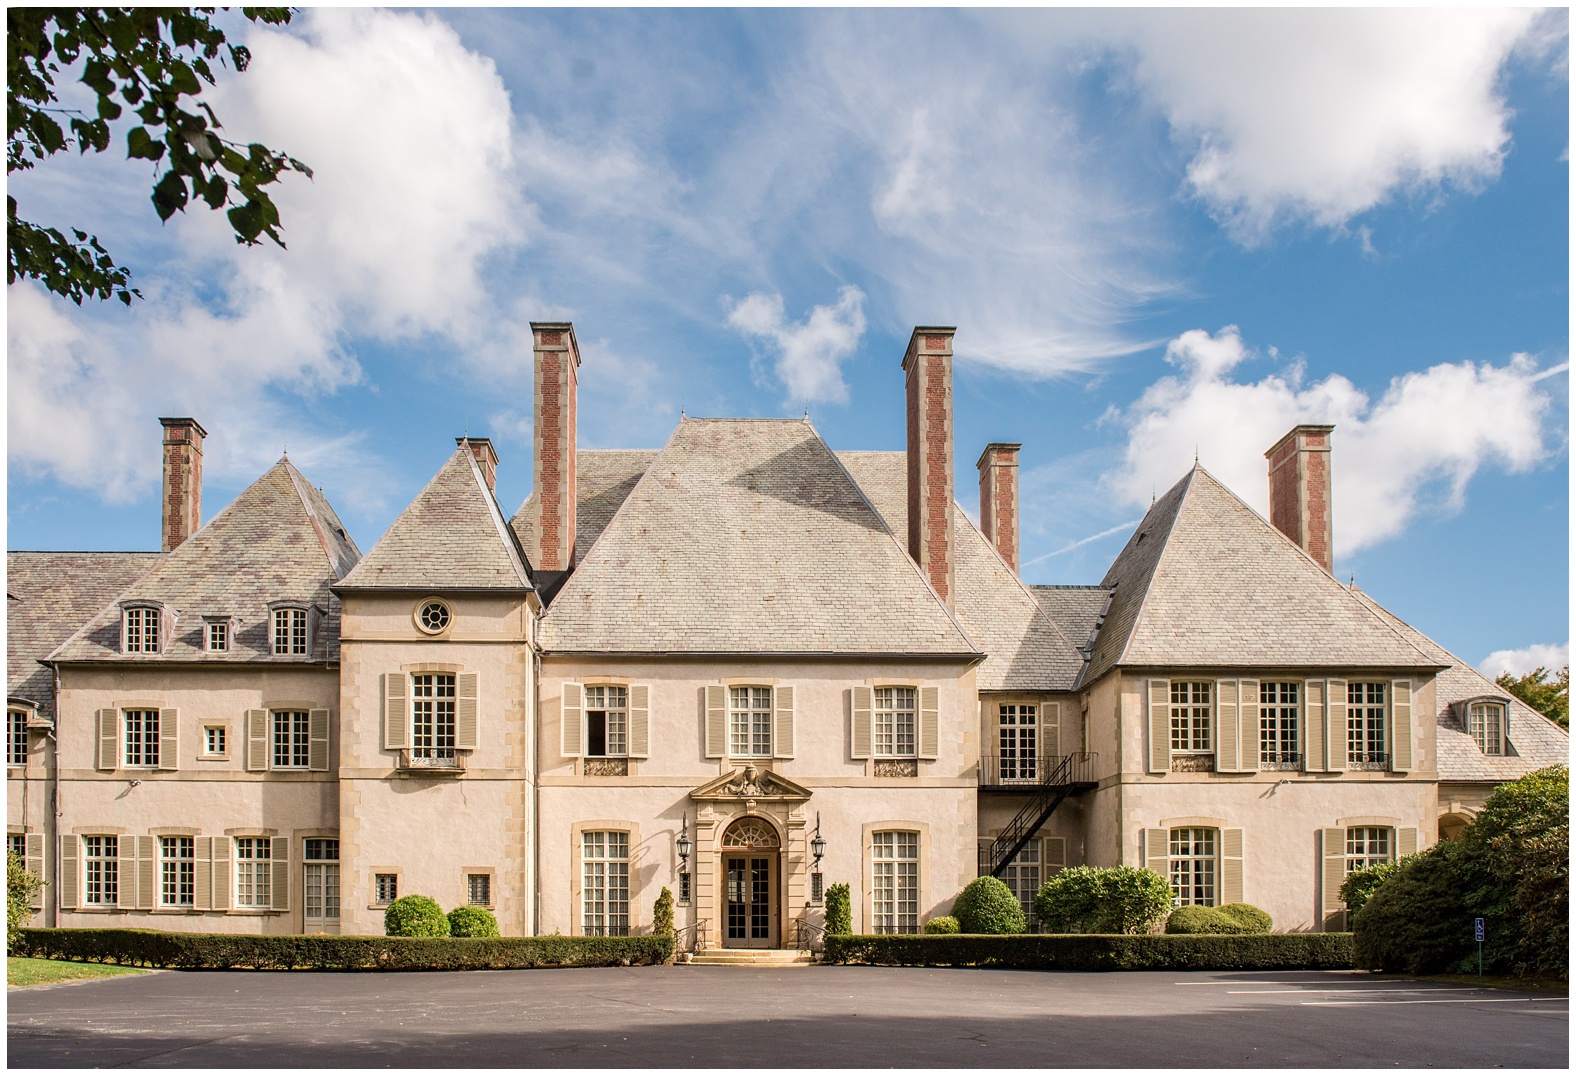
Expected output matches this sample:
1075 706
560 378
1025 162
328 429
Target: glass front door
748 892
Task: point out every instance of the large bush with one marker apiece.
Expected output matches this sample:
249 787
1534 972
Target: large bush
1102 900
1099 952
468 922
1361 883
943 924
1226 919
22 888
839 909
1417 921
415 916
987 906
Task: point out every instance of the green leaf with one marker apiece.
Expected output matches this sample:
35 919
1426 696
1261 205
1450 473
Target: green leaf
169 195
140 144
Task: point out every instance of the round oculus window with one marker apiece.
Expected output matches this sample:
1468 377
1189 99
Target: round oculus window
433 616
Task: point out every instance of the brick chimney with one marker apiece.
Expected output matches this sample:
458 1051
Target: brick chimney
928 369
998 467
486 457
182 497
553 470
1300 491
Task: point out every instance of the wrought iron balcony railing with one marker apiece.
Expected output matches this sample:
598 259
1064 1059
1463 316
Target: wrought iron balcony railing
1015 773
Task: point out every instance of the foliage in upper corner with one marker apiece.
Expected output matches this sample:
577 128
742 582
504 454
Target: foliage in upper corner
1551 698
1102 900
839 909
662 913
147 60
22 888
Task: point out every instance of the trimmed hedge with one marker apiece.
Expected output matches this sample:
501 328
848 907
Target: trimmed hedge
1226 919
327 952
1099 952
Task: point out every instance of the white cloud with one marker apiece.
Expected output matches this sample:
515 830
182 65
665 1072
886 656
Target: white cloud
1414 449
1550 656
809 353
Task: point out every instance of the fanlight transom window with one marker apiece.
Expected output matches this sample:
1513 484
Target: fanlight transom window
750 833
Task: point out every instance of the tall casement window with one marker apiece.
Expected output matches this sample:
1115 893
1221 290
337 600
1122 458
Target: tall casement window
750 722
432 715
290 632
1023 876
1367 846
320 879
894 875
894 715
1279 748
177 872
607 721
292 740
1365 715
1192 865
1018 739
252 862
16 737
100 871
1190 717
604 895
140 631
142 737
1486 723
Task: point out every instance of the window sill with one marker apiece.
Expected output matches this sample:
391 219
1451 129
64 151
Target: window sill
409 765
174 911
213 758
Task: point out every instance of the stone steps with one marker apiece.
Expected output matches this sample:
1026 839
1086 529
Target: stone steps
769 958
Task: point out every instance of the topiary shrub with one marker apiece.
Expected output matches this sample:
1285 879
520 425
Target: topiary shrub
943 924
1257 920
22 888
469 922
987 906
662 914
839 909
1102 900
415 916
1226 919
1361 883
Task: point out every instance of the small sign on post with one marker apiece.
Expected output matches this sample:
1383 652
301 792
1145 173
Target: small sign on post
1477 930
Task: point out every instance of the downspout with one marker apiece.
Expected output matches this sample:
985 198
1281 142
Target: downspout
52 822
536 777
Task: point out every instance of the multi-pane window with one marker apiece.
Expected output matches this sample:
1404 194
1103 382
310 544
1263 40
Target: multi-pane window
100 872
16 738
895 881
320 878
292 739
177 871
1278 714
478 890
219 636
1018 738
1365 742
750 722
604 863
290 631
432 715
252 877
1022 876
385 888
1486 723
142 737
1191 861
213 740
895 709
1190 717
142 631
1367 846
16 844
607 721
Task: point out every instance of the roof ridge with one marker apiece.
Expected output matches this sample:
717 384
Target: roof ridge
1024 587
1154 572
511 541
318 523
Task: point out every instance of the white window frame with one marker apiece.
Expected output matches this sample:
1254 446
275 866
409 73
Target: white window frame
1490 736
139 738
254 873
216 636
100 870
1018 740
215 746
15 737
17 843
177 872
1280 724
1369 846
1024 875
895 721
1192 717
433 616
434 701
894 881
749 722
139 629
1367 723
604 875
290 739
611 703
1193 865
290 631
320 887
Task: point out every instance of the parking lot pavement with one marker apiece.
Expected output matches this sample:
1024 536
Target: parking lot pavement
783 1017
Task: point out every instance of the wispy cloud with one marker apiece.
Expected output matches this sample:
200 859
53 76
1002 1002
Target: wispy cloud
1550 656
809 353
1118 529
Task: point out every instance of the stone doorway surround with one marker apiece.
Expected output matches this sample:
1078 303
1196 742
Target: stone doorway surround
750 792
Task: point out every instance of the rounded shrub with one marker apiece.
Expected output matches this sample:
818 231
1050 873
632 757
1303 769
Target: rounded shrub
839 909
469 922
1226 919
1102 900
987 906
415 916
942 924
1257 920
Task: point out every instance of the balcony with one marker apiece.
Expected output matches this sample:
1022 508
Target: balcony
1280 760
1009 773
1368 760
439 762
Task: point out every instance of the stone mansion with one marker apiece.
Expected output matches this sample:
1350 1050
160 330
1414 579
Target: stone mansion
742 666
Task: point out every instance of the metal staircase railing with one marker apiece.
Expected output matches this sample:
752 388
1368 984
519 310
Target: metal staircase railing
1059 778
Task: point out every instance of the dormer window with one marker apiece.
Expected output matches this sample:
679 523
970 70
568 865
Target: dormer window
140 629
291 637
1486 724
217 633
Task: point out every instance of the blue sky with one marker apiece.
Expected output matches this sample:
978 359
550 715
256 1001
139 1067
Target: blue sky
1158 232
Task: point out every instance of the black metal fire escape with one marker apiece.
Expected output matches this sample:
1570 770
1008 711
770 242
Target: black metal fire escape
1057 778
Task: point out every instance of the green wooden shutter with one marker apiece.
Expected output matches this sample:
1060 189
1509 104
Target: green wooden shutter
1160 726
639 744
1400 725
108 740
257 740
861 730
467 710
147 868
1157 849
202 868
1334 874
1051 731
396 712
716 721
317 741
34 860
1405 842
69 877
169 739
221 874
929 722
1313 726
571 730
126 872
782 722
1335 727
279 869
1231 866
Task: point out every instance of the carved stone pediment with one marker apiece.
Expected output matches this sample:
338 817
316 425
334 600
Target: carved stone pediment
751 784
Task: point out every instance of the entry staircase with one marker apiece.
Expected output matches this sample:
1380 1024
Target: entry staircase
1047 781
752 958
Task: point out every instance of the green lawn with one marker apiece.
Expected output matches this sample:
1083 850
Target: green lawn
26 971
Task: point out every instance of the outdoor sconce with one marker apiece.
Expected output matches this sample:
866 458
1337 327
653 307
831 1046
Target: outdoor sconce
817 849
818 842
684 844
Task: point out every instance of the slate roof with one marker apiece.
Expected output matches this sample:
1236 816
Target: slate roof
1025 647
748 536
1206 581
1075 609
1535 741
50 596
280 540
451 537
604 478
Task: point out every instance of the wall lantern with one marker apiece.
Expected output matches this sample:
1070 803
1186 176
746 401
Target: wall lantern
684 844
818 842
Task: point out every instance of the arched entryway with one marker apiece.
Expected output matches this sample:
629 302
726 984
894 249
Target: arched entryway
751 884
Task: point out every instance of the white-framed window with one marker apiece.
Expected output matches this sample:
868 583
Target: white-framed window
478 890
894 873
1018 737
1365 717
140 630
433 616
1368 846
142 737
432 715
253 878
320 878
385 888
16 737
1279 745
895 715
1486 723
604 894
215 740
100 871
290 632
292 739
607 721
750 722
16 844
1191 717
218 636
177 872
1023 876
1192 864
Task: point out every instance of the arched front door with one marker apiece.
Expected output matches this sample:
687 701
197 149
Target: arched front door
750 884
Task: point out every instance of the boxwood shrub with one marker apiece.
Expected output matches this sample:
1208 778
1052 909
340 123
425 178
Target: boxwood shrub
415 916
839 909
327 952
987 906
1226 919
942 924
1099 952
467 921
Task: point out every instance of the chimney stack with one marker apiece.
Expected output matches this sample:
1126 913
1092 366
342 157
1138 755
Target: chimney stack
928 369
553 471
182 480
1300 491
998 467
486 458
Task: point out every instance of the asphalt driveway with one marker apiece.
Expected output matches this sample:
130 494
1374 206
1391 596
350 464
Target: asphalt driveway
788 1017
